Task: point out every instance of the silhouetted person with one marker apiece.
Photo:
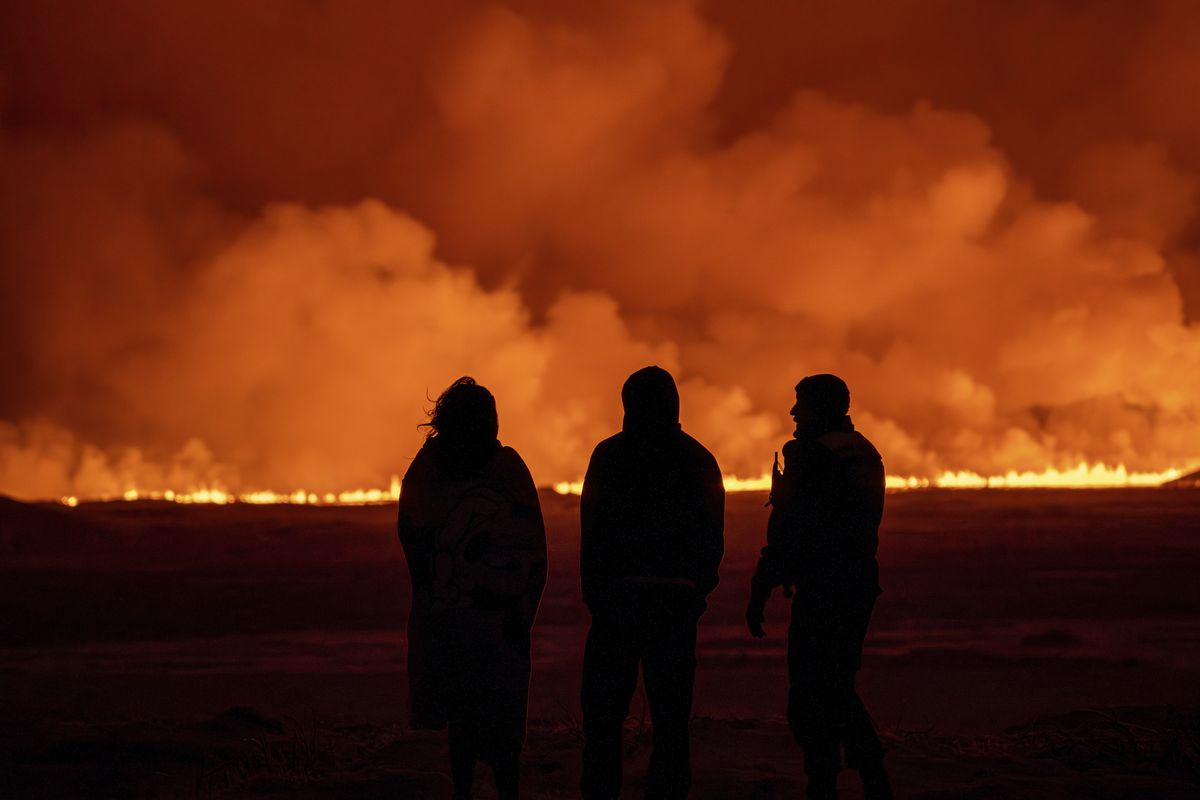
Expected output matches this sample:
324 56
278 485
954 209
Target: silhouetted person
472 531
821 541
652 538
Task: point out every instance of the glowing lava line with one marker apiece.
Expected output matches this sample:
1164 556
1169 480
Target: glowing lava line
220 496
1083 476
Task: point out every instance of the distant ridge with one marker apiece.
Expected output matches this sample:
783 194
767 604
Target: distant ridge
1189 481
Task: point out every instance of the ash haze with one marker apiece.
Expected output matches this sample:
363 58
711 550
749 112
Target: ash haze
242 243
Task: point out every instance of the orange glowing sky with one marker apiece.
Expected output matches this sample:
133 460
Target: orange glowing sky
241 243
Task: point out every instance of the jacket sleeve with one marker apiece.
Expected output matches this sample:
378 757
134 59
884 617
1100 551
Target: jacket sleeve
712 533
593 566
777 561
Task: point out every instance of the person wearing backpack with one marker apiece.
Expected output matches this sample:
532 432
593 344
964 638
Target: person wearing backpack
470 523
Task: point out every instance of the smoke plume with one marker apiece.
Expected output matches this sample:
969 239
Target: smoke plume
245 245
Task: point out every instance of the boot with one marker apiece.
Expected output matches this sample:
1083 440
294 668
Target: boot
876 785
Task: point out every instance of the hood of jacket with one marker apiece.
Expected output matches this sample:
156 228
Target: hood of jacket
651 402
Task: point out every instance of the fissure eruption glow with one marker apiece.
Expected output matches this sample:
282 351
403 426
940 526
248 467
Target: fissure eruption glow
1084 476
221 496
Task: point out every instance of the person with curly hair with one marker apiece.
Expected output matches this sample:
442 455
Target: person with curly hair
471 526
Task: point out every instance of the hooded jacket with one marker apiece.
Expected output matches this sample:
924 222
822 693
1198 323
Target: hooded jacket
823 532
653 503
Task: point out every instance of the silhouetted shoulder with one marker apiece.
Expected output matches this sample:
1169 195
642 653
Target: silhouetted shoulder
805 459
790 448
607 447
422 468
849 444
803 451
510 469
508 459
698 451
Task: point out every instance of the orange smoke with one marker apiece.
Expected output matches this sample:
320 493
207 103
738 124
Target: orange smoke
261 284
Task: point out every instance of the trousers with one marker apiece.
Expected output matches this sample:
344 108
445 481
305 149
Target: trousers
825 713
654 627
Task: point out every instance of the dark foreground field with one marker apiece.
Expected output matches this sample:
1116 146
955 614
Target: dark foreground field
1033 644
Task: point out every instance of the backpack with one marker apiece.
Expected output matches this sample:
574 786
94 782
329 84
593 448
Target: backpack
478 547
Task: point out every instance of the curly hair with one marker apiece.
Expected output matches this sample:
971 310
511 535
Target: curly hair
464 411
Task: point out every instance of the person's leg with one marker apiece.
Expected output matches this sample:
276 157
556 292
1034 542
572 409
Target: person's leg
875 781
426 707
455 680
506 770
462 759
811 719
864 752
669 669
610 667
466 672
856 730
503 717
811 690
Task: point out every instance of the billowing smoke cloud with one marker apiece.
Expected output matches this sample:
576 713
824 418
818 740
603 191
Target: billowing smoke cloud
244 247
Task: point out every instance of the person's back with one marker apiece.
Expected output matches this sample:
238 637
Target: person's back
651 519
648 511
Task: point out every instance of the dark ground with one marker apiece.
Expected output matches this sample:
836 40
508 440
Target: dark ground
1028 644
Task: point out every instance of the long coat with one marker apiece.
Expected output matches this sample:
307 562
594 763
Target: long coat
475 543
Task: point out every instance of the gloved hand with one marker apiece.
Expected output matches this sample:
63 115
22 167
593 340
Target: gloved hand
760 592
755 614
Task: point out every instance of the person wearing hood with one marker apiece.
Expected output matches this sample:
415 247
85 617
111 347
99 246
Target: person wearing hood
652 537
471 526
822 537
